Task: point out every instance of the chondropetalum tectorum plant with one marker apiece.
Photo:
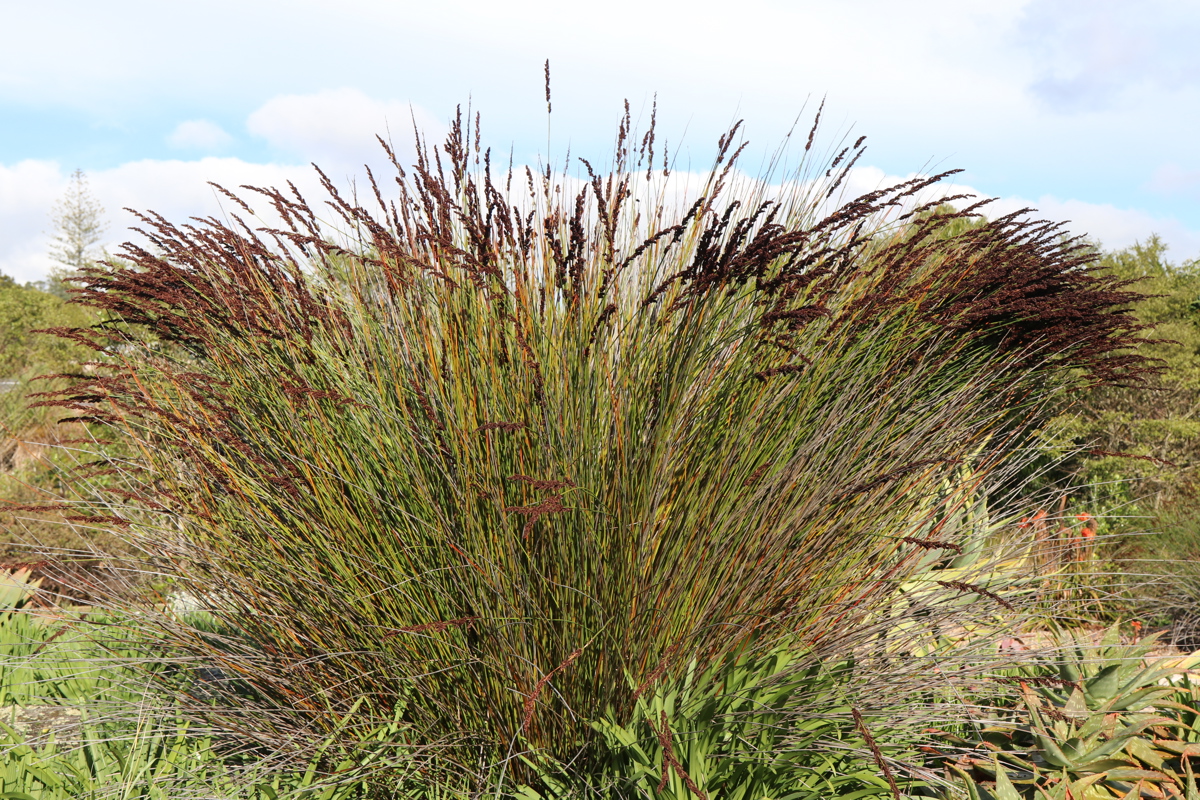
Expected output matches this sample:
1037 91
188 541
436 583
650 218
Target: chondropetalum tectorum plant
506 448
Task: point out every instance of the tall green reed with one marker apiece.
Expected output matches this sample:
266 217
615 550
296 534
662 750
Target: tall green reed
500 449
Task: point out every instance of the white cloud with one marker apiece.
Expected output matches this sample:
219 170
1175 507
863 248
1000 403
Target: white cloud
175 189
334 129
1113 227
1091 51
337 128
1172 179
27 191
179 189
936 78
199 134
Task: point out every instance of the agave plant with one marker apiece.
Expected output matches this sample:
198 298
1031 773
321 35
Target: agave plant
16 591
505 445
1103 719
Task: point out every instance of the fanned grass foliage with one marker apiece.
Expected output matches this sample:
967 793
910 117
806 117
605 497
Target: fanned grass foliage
493 453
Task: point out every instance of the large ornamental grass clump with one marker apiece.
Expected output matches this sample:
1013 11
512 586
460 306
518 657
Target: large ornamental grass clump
492 453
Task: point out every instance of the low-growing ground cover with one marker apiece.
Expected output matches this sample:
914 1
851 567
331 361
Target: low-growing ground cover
1080 716
84 715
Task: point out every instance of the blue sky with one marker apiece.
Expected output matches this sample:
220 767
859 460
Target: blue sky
1087 109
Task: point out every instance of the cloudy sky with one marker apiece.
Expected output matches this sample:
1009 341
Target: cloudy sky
1086 109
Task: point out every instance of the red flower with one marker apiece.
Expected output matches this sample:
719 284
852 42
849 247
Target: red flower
1083 516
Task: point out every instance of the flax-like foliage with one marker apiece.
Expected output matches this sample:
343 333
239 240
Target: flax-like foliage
510 442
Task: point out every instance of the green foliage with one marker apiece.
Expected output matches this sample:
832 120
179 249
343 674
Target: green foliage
126 738
1102 719
1144 491
1153 430
747 728
143 763
24 309
1166 562
33 463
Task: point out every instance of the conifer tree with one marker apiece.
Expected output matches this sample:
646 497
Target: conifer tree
79 225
